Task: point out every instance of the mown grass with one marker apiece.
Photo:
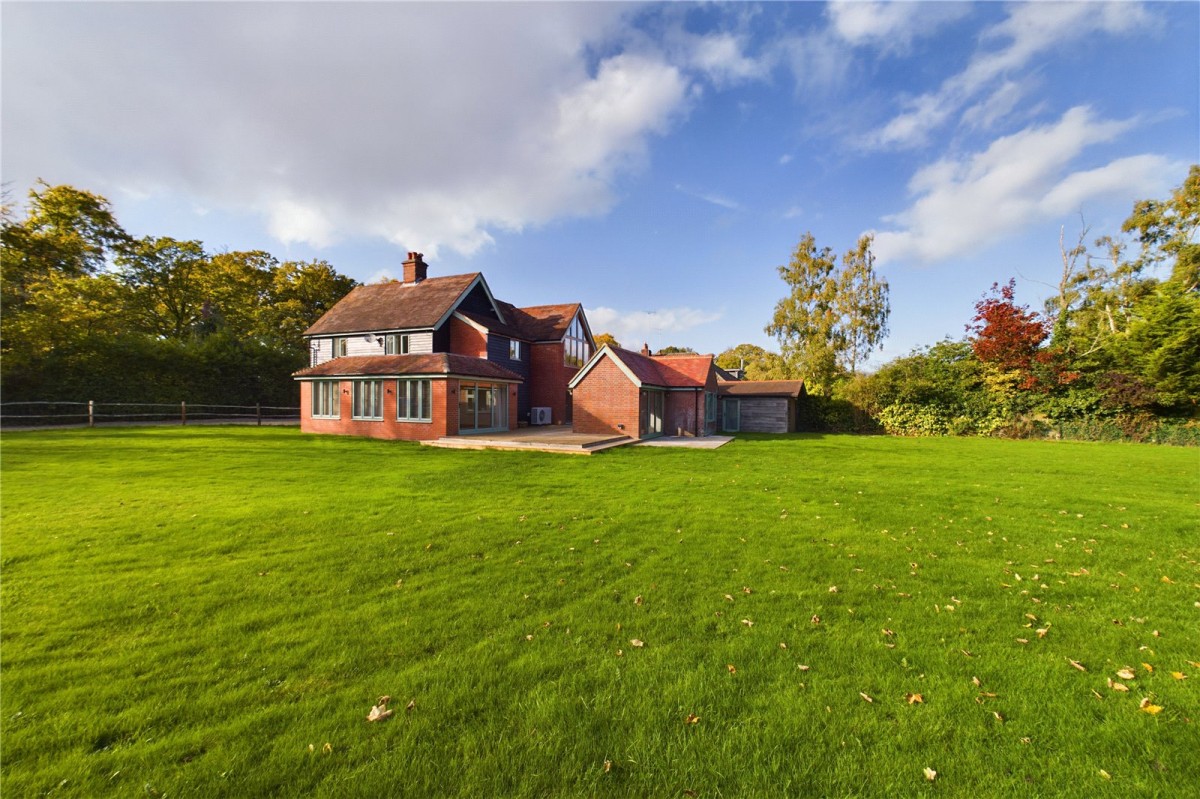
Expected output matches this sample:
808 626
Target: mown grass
212 612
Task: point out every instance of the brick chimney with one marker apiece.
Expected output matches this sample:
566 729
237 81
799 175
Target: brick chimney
415 268
646 349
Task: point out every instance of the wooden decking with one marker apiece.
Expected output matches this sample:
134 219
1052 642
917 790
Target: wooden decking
551 438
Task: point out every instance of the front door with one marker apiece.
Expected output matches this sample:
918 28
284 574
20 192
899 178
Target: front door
732 421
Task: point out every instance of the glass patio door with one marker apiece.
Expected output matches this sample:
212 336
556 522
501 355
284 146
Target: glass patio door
652 414
482 408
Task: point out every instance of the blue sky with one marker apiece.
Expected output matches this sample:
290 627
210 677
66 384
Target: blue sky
655 162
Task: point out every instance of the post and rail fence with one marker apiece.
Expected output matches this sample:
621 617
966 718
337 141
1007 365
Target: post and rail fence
15 415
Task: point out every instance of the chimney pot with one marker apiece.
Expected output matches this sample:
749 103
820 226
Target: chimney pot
415 268
646 349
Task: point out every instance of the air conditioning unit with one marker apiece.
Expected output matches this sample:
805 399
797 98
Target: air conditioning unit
539 416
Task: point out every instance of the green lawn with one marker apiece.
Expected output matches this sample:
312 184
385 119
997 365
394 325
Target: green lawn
213 612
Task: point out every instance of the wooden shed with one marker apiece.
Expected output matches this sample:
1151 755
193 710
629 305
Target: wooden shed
759 406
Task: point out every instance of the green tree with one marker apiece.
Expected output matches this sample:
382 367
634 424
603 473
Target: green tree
606 338
833 317
1166 231
165 280
300 293
674 351
758 363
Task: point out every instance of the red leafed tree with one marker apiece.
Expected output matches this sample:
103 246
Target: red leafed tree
1010 337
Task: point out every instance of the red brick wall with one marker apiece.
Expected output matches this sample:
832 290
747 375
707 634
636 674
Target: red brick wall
466 340
604 399
548 379
681 411
444 407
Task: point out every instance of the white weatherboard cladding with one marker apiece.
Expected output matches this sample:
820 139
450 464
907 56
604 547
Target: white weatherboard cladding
321 349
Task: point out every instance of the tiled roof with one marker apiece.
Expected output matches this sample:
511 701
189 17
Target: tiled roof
761 388
548 322
668 371
393 306
437 363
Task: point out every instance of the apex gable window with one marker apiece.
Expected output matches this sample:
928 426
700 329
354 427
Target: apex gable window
576 350
339 346
396 344
413 401
367 400
326 399
515 350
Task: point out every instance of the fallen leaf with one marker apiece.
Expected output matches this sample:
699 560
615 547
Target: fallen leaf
803 667
833 589
1147 707
746 589
782 645
1076 664
930 774
1022 640
1118 686
607 766
692 718
1179 675
637 600
1105 774
1147 667
976 682
865 697
327 748
620 653
728 598
914 699
1126 674
999 718
411 706
1167 579
887 632
747 622
637 642
1042 632
379 713
815 619
732 668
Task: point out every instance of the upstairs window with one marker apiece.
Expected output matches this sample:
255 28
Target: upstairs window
339 346
396 344
576 349
516 350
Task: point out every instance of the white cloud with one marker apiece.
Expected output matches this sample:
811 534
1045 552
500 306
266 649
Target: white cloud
890 26
1030 30
633 328
431 125
712 198
721 57
966 204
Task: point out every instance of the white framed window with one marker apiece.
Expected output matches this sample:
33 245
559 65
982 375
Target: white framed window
326 399
516 350
339 346
414 400
396 344
576 349
367 400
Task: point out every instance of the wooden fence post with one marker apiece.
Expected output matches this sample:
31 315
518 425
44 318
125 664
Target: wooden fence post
258 412
183 412
91 413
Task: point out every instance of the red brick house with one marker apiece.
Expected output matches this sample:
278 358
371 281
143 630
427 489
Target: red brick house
428 357
643 396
